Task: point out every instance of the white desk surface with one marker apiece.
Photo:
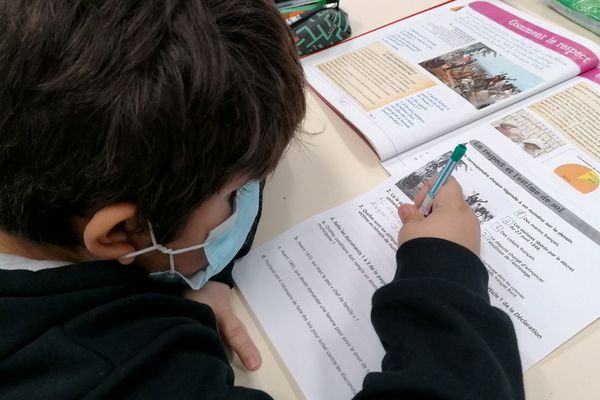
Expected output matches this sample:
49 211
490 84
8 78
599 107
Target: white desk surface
333 164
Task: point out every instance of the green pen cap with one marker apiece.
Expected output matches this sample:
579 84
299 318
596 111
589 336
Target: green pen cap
458 152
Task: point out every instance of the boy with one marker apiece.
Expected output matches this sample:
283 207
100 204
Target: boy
132 137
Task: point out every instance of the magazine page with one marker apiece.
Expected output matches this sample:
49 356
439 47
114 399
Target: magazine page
310 288
415 79
557 129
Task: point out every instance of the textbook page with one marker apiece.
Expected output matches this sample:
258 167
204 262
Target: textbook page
415 79
557 129
310 288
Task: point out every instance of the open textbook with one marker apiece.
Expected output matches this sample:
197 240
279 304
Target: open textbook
531 174
418 78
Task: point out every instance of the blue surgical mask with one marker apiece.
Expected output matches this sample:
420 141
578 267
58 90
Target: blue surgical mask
221 245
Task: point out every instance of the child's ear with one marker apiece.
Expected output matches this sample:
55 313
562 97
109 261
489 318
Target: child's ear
107 235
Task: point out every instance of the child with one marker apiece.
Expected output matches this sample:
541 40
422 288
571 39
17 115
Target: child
133 135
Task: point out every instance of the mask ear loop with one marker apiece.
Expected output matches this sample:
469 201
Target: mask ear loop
172 263
155 246
172 253
165 250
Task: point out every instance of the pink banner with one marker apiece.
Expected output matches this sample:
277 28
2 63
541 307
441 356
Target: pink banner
579 54
593 75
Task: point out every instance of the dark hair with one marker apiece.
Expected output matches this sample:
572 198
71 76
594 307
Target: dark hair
157 102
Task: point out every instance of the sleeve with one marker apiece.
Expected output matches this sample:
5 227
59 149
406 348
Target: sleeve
166 349
123 337
225 275
443 339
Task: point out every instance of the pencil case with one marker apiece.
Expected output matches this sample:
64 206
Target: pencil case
316 24
583 12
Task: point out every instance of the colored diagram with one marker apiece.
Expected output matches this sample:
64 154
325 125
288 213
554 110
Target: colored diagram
582 178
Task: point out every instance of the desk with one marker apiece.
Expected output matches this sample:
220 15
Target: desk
334 164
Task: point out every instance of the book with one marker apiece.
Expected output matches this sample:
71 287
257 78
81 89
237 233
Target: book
531 175
416 79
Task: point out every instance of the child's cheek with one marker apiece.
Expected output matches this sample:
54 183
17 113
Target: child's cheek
190 262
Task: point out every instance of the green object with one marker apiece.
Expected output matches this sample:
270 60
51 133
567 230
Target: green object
303 8
458 152
322 29
583 12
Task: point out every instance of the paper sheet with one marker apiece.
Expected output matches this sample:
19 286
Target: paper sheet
310 288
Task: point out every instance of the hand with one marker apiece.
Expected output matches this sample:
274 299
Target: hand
217 296
450 218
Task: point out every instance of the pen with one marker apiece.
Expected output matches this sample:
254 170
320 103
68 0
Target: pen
292 10
297 18
457 154
298 3
294 3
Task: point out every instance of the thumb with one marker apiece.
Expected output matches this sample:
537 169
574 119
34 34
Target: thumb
235 334
409 213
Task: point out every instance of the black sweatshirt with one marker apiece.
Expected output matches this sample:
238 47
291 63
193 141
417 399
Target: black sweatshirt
107 331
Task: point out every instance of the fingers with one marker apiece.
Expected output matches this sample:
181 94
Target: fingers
423 191
235 334
450 219
232 330
450 194
409 213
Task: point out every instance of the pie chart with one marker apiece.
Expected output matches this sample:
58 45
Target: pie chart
582 178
